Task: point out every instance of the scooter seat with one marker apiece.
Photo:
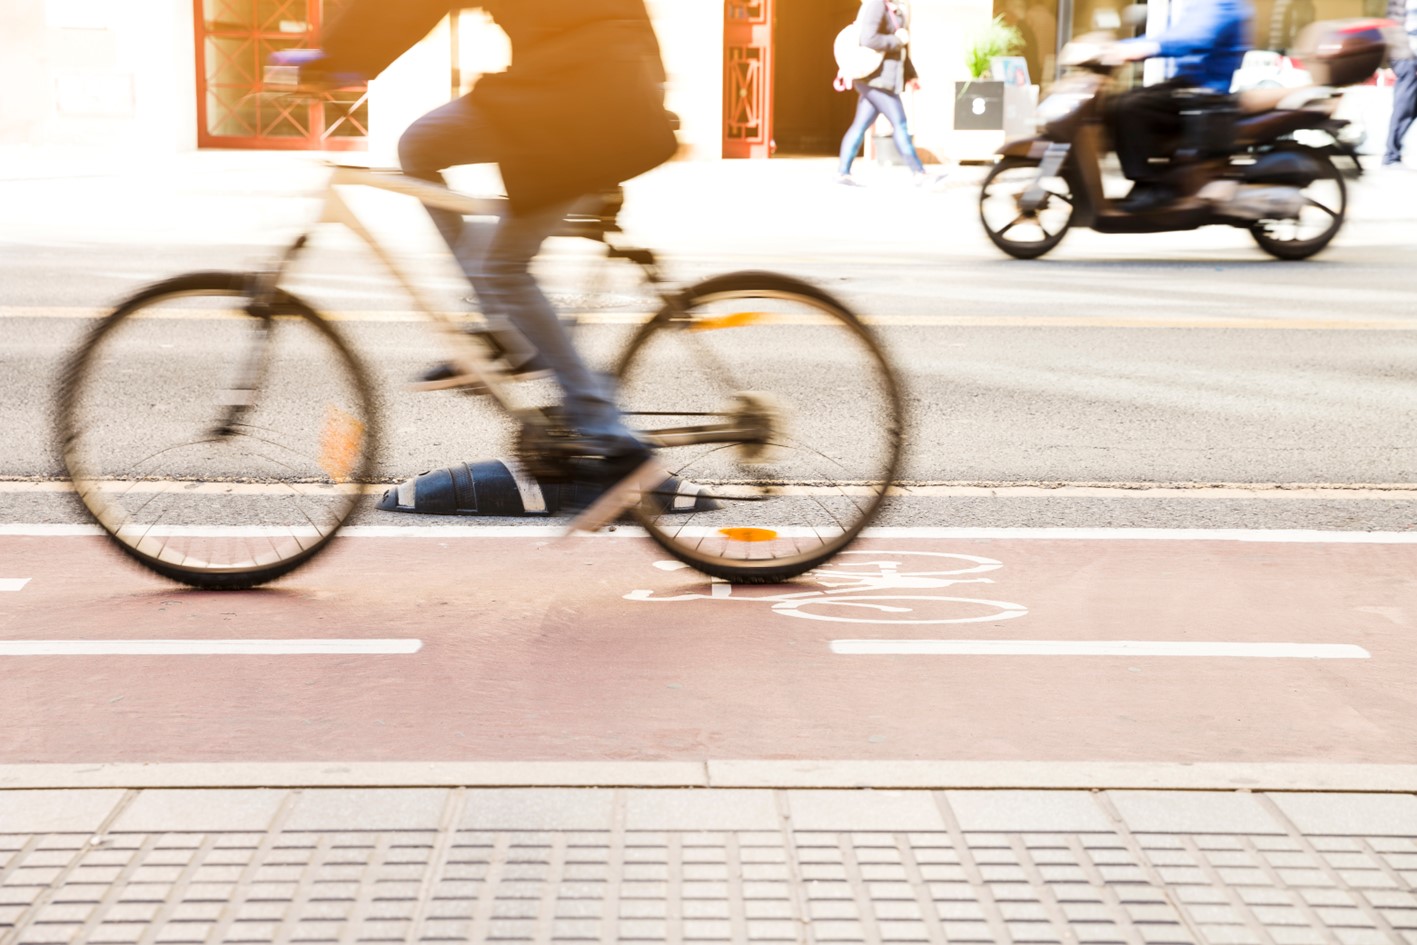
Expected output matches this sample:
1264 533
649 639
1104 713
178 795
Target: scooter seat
1255 101
1266 126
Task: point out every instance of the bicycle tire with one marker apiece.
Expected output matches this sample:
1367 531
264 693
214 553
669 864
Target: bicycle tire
786 499
219 507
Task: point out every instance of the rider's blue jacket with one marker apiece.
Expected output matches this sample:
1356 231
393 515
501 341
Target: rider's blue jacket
1208 42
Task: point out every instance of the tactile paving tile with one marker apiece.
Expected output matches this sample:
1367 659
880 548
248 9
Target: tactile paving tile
454 884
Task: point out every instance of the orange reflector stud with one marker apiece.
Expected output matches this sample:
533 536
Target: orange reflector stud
748 534
736 320
340 443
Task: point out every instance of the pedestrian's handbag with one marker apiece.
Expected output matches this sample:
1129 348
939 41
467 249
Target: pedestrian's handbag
854 61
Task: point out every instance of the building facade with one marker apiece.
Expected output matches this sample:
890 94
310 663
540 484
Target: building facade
749 78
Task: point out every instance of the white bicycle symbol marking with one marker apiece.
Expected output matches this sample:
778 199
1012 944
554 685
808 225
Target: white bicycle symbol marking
851 582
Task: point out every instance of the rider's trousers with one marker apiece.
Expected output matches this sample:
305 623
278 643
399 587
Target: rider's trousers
496 258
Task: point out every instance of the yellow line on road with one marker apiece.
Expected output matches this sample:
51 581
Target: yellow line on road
885 321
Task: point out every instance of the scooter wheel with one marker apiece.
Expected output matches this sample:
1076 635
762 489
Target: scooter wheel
1318 220
1024 234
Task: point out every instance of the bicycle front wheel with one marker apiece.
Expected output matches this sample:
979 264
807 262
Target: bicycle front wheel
770 398
216 447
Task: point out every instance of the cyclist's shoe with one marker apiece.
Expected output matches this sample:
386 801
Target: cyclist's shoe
448 376
605 486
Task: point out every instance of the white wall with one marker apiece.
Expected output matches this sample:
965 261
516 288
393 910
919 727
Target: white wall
691 40
942 31
115 73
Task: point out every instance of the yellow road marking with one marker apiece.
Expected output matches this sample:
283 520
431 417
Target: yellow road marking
885 321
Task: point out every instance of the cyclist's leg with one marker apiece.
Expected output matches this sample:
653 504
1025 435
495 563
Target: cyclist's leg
449 136
894 109
497 261
506 287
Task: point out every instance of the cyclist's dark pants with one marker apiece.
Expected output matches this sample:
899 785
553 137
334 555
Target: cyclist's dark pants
497 260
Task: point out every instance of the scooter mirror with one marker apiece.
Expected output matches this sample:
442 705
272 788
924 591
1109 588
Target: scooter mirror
1105 18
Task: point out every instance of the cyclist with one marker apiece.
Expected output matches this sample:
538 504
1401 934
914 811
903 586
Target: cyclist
580 110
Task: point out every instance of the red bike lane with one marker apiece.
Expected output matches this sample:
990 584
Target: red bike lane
452 645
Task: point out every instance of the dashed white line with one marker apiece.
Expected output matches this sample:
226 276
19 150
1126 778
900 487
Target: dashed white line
1127 648
324 647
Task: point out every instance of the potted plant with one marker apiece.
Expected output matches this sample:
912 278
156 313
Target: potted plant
979 102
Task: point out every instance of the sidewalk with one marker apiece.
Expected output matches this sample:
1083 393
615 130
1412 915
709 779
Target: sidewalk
754 208
671 863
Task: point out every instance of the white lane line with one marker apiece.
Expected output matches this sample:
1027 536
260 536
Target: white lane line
13 584
1296 536
1127 648
326 647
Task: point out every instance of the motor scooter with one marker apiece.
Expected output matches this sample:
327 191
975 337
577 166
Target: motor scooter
1261 161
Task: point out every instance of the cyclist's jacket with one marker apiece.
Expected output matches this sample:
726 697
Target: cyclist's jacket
580 109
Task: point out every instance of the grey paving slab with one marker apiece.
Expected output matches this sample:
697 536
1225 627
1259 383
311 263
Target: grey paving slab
183 811
618 864
701 810
1199 812
1374 815
538 809
368 809
1028 812
864 810
55 811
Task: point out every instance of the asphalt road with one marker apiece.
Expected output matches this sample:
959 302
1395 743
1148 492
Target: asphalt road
1113 367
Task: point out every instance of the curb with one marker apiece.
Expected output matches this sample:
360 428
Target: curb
725 774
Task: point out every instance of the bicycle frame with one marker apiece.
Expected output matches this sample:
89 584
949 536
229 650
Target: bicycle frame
336 209
469 354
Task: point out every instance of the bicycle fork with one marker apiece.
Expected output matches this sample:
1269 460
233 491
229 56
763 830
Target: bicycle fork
261 292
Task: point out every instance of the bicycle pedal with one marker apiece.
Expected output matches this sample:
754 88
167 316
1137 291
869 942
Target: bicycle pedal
629 491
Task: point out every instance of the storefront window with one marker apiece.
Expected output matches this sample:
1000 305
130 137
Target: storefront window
235 39
1047 24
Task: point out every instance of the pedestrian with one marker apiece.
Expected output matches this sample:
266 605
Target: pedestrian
580 110
1404 92
883 25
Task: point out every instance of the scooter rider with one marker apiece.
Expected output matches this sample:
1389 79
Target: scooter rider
1207 44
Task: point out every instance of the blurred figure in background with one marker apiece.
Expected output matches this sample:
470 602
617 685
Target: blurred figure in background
1404 93
884 25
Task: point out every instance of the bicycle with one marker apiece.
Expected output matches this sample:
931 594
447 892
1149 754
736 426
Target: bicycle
221 430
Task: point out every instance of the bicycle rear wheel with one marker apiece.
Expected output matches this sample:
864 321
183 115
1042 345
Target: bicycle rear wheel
216 447
770 396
